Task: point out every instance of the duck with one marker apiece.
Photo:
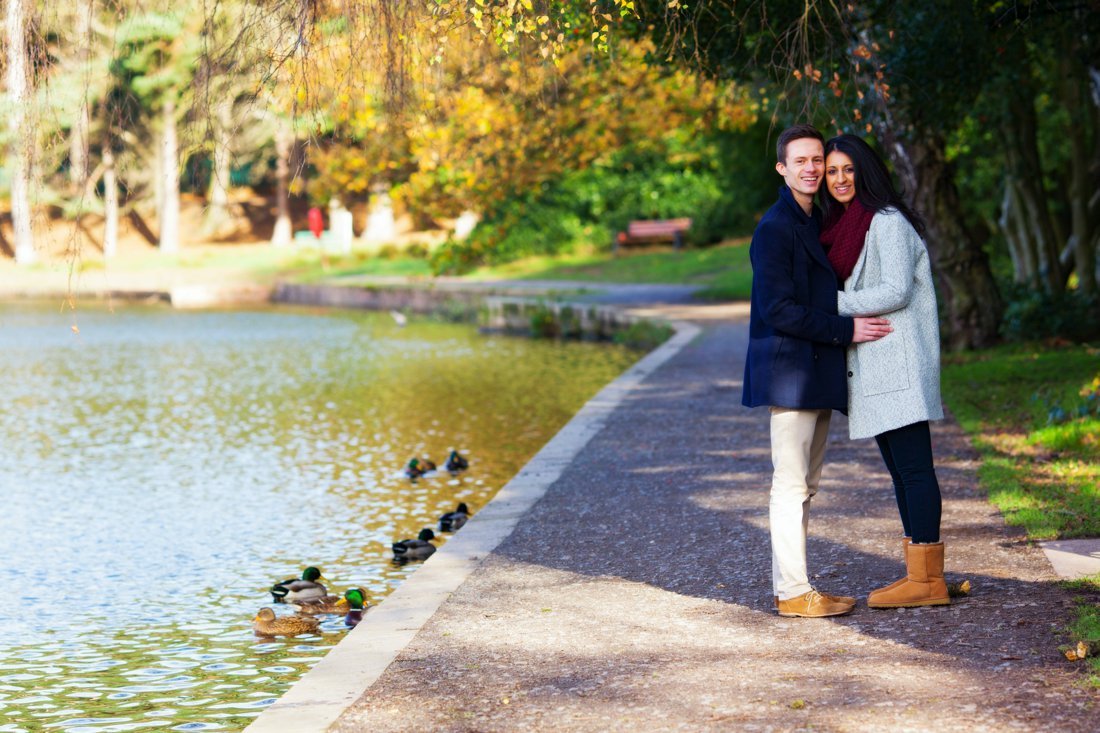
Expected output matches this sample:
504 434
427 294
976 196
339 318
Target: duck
300 589
417 467
354 601
453 521
419 549
456 462
315 606
266 623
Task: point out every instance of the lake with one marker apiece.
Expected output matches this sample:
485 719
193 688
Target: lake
160 469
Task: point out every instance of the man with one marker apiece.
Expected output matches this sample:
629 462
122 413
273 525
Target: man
795 363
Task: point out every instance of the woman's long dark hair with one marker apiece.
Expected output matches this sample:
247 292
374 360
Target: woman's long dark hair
874 189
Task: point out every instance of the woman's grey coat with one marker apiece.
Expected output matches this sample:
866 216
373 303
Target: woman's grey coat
894 381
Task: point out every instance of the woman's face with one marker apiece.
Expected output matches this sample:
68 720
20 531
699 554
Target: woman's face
840 177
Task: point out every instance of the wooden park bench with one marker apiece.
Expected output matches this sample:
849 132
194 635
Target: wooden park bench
651 231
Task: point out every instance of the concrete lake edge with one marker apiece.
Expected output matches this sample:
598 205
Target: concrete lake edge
320 696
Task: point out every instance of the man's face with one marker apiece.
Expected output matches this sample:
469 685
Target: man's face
804 167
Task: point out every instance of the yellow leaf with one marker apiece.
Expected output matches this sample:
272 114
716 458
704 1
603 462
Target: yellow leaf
1082 650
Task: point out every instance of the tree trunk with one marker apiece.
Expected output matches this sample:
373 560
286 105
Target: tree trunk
972 306
22 130
284 228
1019 133
1015 233
78 136
217 211
110 204
170 181
1084 168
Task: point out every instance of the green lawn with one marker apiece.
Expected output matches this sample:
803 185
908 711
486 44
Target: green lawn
724 269
1033 411
1041 462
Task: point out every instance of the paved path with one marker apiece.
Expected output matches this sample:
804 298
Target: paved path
635 594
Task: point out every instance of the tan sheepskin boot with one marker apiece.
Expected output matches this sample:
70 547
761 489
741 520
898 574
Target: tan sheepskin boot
924 584
905 556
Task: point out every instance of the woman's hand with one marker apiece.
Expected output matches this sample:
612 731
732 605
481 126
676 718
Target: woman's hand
870 329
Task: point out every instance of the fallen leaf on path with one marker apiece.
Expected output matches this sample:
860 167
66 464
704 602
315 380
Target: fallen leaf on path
958 590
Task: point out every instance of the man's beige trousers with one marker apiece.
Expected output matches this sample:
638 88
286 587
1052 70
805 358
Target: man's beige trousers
798 453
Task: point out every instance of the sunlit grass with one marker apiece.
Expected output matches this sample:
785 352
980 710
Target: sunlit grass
1086 625
723 269
1040 464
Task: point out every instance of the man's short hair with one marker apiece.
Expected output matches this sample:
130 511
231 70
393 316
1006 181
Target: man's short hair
797 132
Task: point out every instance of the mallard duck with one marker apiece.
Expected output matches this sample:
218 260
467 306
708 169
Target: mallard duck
417 467
456 463
354 602
417 549
315 606
453 521
299 589
266 623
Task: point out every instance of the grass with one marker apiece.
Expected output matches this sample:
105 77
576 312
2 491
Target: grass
1041 462
723 269
1033 412
1086 627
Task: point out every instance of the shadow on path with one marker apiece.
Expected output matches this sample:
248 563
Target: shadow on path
637 594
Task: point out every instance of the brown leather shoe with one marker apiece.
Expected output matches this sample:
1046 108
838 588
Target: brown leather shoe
814 604
839 599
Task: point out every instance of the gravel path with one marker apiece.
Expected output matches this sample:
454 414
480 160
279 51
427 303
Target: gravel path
636 594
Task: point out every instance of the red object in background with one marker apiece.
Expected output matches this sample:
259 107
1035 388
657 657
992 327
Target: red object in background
316 222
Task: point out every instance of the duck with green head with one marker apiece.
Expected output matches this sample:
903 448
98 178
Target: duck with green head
419 549
354 602
417 467
304 588
455 462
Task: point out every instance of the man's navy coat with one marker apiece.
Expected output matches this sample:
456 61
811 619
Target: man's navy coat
797 341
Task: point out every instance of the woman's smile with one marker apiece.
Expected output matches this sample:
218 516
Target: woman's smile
840 177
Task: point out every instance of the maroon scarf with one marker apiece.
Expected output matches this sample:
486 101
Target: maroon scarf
843 237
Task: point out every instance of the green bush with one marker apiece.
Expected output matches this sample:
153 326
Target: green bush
645 335
722 185
1033 315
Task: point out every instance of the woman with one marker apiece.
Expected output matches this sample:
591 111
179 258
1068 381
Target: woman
873 240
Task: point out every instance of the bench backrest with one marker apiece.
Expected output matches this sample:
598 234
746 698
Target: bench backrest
658 227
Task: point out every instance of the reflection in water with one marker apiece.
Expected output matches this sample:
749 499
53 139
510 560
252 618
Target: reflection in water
160 470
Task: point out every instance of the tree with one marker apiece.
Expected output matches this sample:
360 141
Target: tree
21 127
910 73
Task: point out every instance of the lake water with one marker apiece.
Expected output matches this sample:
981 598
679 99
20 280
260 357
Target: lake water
159 470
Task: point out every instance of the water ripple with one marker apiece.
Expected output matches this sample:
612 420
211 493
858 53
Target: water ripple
161 469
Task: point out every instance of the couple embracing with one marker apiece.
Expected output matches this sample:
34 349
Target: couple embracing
844 318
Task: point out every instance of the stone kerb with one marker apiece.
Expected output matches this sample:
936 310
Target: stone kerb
324 693
571 319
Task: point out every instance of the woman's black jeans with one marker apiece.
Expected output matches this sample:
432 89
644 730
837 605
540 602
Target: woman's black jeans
908 455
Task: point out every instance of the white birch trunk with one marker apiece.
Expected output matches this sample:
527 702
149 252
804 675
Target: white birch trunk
110 204
22 131
217 213
284 228
170 181
78 136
